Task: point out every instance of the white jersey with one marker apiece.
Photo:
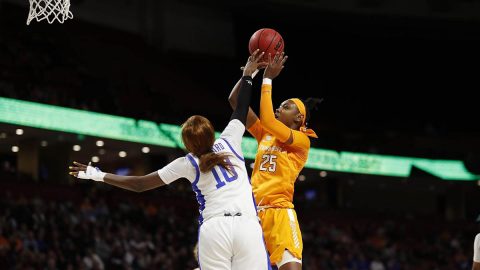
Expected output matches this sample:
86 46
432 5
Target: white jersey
476 249
218 191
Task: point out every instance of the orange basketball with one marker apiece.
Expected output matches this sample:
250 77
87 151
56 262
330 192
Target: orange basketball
268 41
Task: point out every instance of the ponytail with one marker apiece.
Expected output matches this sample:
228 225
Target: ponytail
211 159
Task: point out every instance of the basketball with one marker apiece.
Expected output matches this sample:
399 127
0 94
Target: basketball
268 41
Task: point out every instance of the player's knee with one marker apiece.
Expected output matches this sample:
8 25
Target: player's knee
291 266
289 262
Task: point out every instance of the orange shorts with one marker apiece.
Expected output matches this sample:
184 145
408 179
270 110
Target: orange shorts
281 232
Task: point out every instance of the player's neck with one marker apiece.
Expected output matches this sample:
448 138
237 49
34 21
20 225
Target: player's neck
295 126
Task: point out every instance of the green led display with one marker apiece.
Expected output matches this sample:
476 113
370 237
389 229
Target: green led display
56 118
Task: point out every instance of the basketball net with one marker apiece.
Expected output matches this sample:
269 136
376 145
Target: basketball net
50 10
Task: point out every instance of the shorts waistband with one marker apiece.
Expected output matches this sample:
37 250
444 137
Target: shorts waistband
228 214
231 215
263 207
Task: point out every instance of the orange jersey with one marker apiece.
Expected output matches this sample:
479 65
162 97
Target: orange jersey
277 166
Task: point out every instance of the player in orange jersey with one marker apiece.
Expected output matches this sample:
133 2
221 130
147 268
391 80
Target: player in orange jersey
283 146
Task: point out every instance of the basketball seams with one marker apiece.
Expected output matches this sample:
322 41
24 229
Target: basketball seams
259 38
263 39
271 41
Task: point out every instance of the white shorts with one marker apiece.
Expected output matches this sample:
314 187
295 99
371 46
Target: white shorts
232 242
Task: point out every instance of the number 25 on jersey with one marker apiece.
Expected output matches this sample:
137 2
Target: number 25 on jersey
269 163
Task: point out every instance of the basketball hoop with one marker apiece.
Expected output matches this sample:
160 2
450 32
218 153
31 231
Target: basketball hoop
50 10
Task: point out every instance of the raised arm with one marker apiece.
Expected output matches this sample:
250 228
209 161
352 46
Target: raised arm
267 117
241 110
244 91
252 71
132 183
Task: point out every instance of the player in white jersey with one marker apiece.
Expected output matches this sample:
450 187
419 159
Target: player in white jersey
476 253
230 235
476 250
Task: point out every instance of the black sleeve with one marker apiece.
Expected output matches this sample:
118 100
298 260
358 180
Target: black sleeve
243 100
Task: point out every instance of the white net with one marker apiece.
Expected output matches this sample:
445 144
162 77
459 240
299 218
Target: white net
50 10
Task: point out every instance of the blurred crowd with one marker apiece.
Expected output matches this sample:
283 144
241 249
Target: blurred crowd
97 230
385 245
42 234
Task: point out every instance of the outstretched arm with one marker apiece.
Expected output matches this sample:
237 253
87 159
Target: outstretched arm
245 88
241 110
267 117
132 183
251 116
252 71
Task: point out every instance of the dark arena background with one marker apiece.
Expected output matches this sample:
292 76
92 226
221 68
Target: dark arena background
392 182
